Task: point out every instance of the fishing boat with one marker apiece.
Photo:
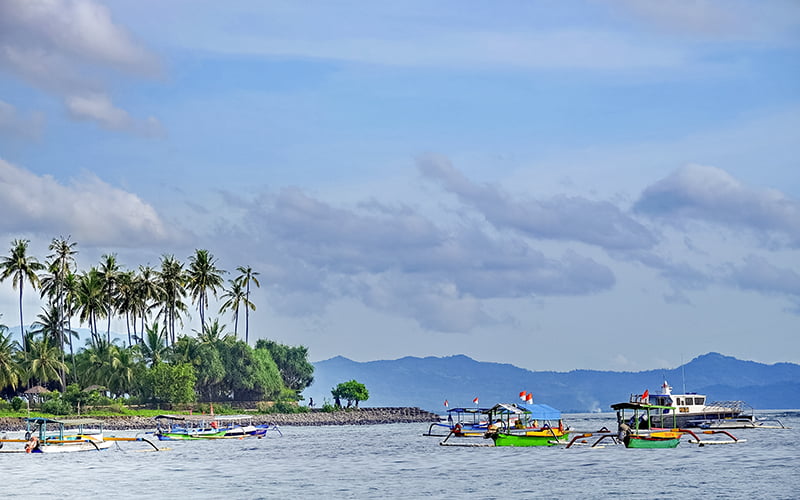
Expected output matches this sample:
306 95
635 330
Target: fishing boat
526 425
691 409
461 422
241 426
48 435
185 428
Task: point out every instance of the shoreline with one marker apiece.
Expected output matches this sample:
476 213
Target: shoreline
360 416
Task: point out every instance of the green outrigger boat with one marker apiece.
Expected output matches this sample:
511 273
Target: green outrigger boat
526 425
636 428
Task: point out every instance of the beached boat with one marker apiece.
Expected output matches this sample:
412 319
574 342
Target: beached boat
691 409
526 425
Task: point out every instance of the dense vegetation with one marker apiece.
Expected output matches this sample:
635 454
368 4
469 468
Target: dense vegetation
160 362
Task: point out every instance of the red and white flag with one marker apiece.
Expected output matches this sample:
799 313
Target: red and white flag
475 400
445 403
523 395
529 398
645 395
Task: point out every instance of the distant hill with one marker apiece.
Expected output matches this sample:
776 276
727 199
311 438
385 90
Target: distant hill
428 382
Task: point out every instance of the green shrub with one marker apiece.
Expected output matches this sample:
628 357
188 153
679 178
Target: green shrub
17 403
56 406
327 407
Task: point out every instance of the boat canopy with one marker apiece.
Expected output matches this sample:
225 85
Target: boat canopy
639 406
537 411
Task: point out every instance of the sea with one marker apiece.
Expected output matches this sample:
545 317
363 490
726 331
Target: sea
397 461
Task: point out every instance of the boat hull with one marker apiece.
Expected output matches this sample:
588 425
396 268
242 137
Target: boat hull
530 439
72 447
651 442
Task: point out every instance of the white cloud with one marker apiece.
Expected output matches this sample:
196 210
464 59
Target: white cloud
99 108
696 192
90 210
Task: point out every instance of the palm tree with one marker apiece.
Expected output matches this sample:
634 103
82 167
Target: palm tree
203 276
153 346
71 284
43 362
171 280
90 303
245 277
62 263
109 274
126 298
233 297
99 361
146 292
21 268
9 369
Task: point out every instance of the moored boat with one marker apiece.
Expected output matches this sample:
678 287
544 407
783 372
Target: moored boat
526 425
461 422
49 435
691 409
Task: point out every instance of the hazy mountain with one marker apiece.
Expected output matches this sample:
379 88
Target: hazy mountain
428 382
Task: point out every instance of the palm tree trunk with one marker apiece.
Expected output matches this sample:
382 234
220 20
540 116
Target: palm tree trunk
21 327
247 315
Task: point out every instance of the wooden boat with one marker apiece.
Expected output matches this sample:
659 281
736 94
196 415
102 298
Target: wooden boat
180 428
526 425
241 426
461 422
636 428
48 435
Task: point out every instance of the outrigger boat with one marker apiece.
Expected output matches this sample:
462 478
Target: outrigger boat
461 422
526 425
636 428
48 435
192 428
176 428
241 426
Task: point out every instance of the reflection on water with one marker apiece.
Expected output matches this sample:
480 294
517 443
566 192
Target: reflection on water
396 461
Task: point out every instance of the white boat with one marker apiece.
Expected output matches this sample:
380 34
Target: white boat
691 409
47 435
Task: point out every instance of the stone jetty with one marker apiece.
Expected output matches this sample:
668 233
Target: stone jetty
352 416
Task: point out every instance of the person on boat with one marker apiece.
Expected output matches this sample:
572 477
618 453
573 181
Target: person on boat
32 444
624 431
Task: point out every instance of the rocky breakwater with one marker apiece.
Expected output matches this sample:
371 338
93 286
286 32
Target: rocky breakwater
351 416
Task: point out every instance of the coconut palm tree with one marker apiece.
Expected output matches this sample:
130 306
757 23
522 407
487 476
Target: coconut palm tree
247 275
109 272
62 263
21 268
153 346
146 291
9 369
171 279
126 298
43 361
89 300
203 276
233 298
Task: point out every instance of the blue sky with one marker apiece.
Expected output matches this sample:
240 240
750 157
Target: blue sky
557 185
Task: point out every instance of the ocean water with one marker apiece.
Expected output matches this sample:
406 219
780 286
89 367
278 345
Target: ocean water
396 461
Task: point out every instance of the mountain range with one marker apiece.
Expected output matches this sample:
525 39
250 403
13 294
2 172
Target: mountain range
428 382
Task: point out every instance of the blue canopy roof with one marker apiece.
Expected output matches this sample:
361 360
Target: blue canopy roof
541 411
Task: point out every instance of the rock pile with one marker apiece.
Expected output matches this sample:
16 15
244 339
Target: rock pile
354 416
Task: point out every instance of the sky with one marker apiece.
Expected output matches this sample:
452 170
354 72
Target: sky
607 185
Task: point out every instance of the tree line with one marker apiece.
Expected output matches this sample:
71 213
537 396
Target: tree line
160 362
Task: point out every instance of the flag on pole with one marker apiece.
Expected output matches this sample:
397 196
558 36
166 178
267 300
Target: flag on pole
446 404
529 398
475 400
212 408
645 395
522 395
